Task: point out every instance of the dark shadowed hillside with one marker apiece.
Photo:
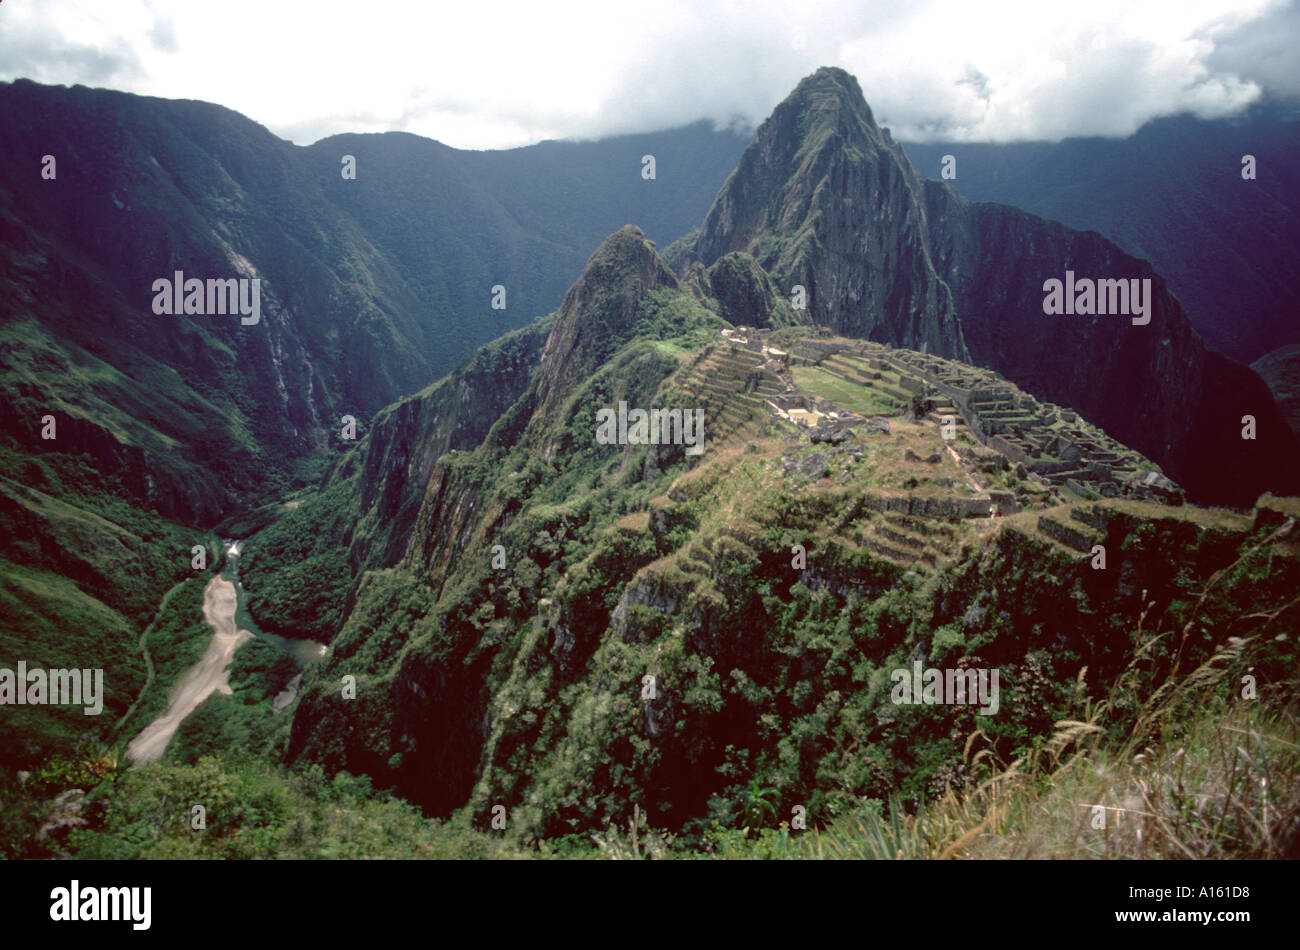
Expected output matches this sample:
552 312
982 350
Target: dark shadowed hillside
372 288
1172 194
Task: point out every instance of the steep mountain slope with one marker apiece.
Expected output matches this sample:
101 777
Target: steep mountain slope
125 430
1172 194
525 615
145 188
363 517
1155 387
931 268
458 223
422 673
642 636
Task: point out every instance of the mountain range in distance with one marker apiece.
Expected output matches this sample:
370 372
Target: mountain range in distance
1173 193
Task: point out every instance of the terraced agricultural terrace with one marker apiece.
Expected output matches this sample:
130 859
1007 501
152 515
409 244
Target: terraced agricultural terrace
882 439
834 382
827 419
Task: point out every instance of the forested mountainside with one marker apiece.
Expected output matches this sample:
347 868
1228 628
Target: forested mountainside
372 286
130 435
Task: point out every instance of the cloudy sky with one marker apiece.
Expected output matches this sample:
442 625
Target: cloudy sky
487 74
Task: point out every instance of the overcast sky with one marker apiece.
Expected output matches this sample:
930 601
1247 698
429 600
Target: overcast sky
485 74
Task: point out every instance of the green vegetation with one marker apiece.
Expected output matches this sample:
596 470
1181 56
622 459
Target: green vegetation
772 691
51 623
696 649
674 319
296 571
83 572
245 719
1193 741
861 399
176 640
252 810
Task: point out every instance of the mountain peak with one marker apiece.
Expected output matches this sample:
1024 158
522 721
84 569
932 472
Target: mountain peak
828 108
599 313
831 91
823 200
628 243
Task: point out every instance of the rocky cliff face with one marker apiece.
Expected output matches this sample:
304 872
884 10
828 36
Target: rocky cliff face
823 198
598 316
431 514
407 439
741 292
1172 194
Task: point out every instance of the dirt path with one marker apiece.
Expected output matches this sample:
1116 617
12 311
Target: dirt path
970 476
205 677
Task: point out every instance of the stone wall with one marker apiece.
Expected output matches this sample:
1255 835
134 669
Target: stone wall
929 506
1070 537
1091 515
1013 452
911 383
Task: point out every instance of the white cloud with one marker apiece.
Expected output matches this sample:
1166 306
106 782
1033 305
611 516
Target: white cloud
1262 49
492 74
